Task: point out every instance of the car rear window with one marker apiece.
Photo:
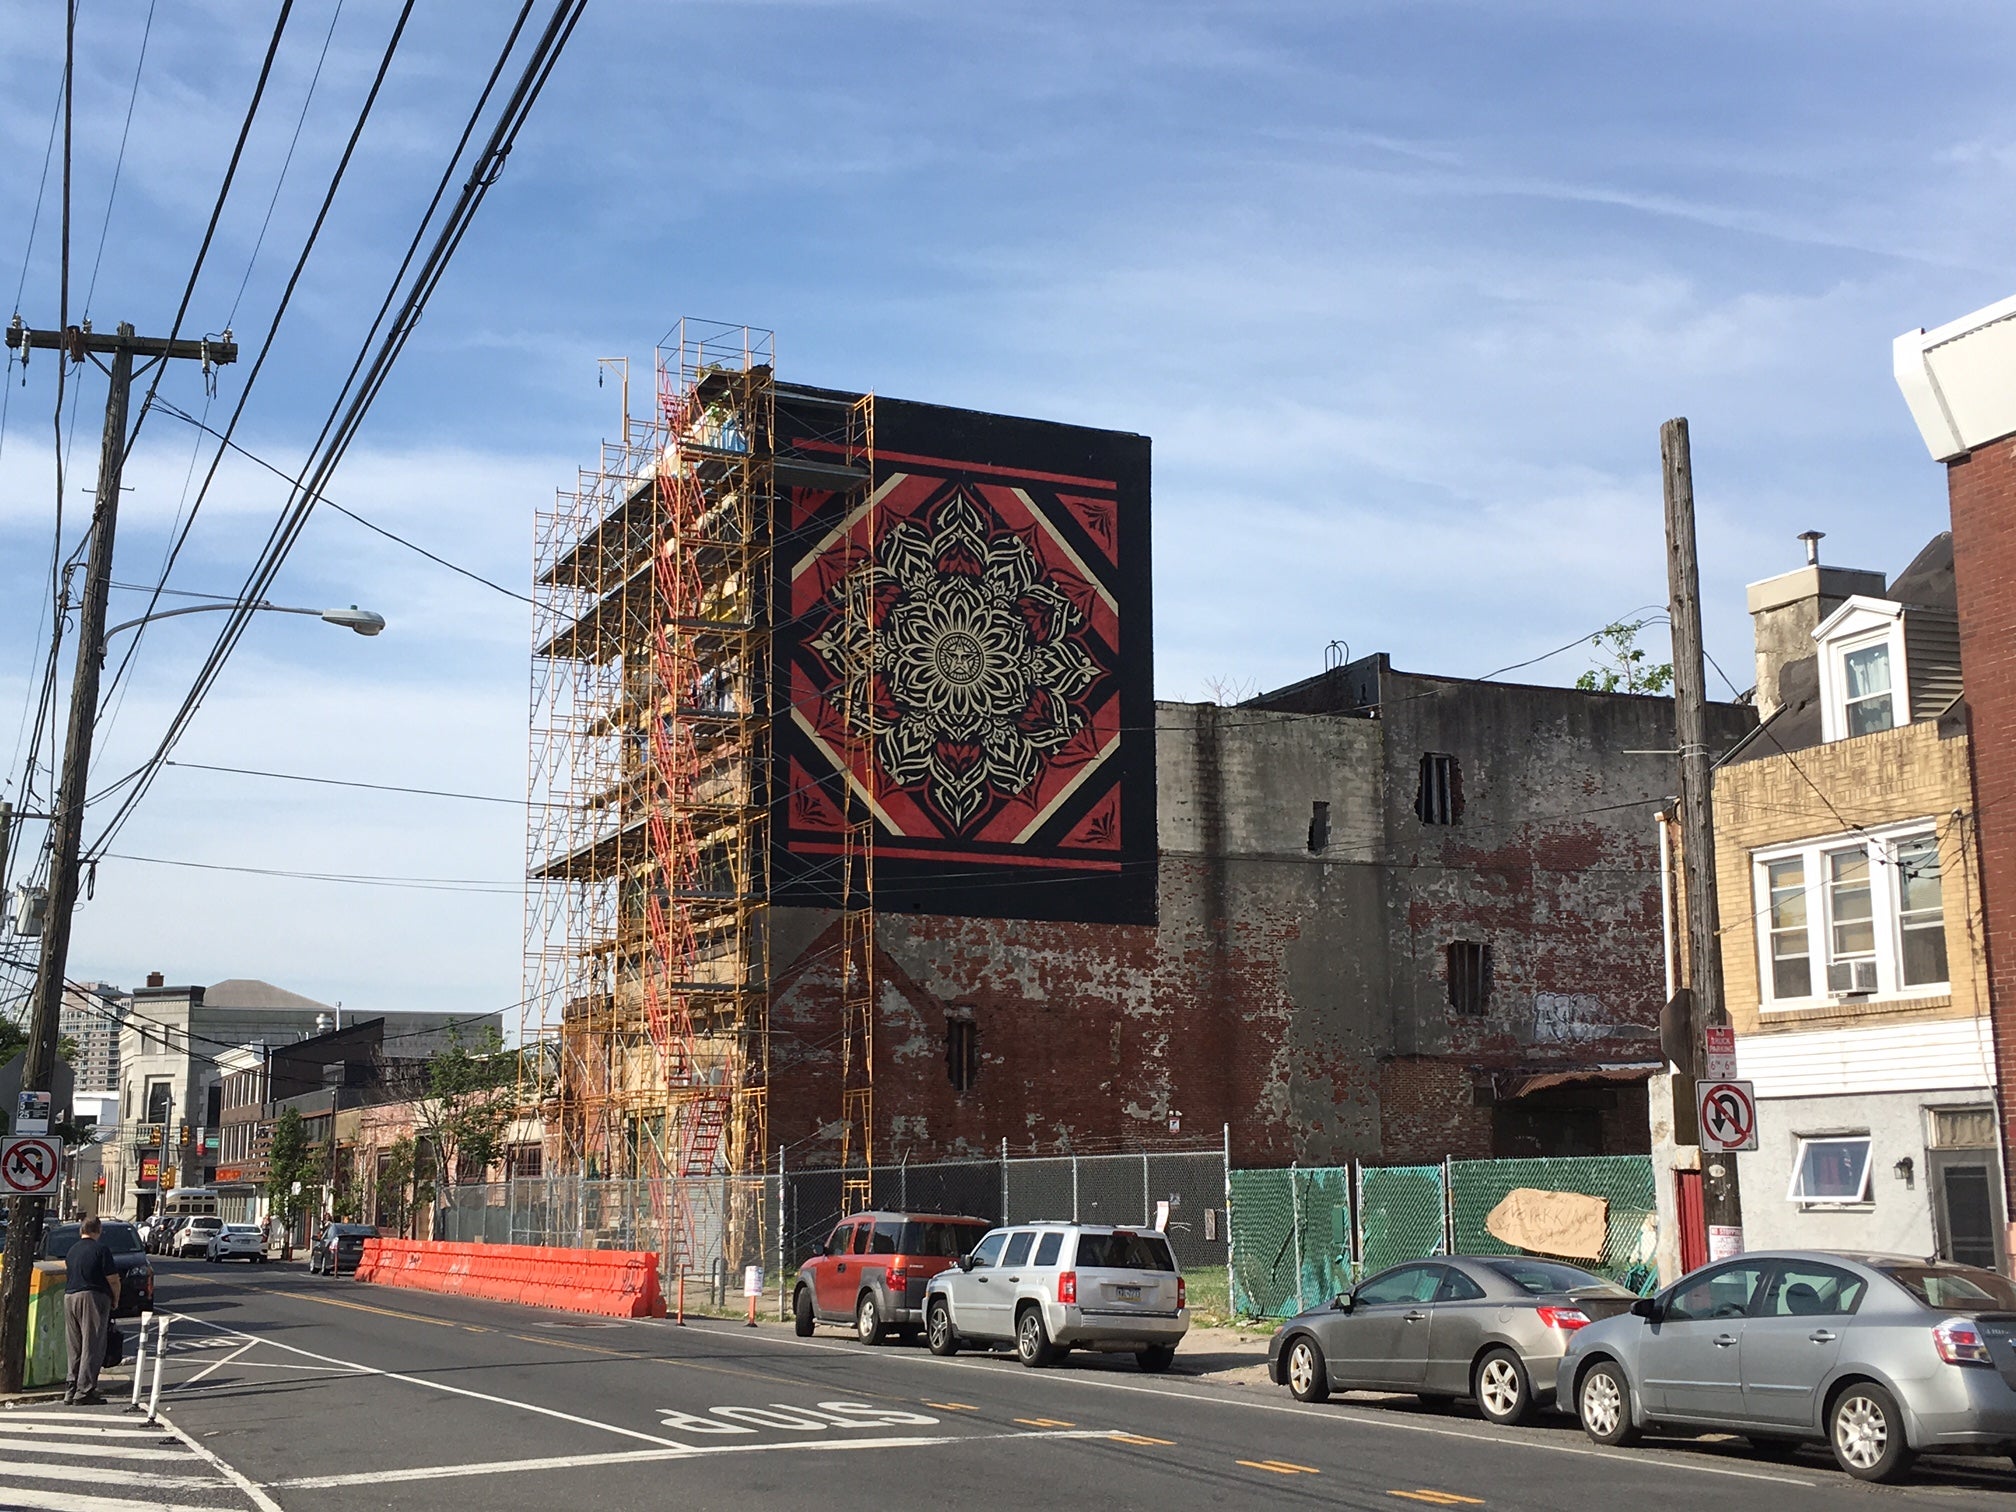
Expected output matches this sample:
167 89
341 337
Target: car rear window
1955 1288
888 1232
1121 1250
1539 1277
940 1241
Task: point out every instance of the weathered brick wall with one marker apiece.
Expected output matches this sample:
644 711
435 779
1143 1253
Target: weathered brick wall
1982 491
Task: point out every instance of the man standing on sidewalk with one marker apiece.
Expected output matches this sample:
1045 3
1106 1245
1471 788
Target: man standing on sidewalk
90 1291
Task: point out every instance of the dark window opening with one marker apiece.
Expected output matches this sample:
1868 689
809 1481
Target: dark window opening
1469 975
1439 799
1319 826
962 1053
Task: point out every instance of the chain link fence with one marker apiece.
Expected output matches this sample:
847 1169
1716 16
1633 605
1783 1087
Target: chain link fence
1299 1237
1623 1183
1292 1238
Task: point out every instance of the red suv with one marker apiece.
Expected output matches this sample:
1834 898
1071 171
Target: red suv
873 1271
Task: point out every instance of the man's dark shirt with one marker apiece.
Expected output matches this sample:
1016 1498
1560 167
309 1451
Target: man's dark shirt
90 1266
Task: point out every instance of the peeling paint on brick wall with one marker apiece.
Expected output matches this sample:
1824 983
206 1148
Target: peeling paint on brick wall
1298 996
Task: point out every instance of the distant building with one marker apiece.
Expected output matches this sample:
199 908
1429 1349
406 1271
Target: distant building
176 1046
91 1015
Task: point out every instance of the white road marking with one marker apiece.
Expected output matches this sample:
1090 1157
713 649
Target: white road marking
108 1451
646 1456
64 1500
213 1365
103 1476
461 1391
79 1430
1360 1416
243 1482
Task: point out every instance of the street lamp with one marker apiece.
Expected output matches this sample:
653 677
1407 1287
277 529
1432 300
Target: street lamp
363 621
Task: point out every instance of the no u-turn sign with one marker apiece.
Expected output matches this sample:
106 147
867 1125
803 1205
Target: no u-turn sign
30 1165
1728 1116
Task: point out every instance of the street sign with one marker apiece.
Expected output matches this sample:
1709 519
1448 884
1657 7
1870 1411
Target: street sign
1728 1116
30 1164
32 1113
1719 1064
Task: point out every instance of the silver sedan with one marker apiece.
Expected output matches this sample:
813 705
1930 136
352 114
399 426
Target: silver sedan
1881 1357
1489 1327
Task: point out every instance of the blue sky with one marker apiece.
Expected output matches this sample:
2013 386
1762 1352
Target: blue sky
1401 291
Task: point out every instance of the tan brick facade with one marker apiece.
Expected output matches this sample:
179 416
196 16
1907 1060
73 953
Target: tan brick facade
1826 791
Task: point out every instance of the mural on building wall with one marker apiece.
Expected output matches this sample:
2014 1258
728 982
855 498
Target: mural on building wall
1000 723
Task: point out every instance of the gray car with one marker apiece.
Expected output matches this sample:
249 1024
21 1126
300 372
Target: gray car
1489 1327
1881 1357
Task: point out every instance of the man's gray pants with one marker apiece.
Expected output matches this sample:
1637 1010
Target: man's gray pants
86 1316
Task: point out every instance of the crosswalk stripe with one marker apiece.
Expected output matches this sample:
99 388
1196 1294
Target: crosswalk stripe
82 1430
108 1451
40 1498
103 1476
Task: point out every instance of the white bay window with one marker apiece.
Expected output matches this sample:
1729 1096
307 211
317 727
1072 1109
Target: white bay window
1851 918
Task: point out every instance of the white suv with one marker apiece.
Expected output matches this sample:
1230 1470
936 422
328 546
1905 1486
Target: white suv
1049 1288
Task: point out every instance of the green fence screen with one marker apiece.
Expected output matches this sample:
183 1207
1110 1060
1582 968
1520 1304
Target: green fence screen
1291 1239
1400 1215
1624 1182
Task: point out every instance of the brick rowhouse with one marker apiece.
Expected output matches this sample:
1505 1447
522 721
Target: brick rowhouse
1960 383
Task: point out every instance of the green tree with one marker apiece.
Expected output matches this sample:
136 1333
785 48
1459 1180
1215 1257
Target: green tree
467 1109
289 1161
393 1195
1620 663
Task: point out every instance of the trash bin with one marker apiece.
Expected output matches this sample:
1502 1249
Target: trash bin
45 1364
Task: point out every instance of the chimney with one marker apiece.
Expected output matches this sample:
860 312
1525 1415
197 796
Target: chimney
155 979
1787 609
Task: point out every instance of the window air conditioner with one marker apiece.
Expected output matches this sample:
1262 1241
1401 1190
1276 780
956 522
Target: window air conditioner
1848 979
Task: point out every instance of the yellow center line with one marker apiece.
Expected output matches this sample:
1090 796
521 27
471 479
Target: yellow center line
1440 1498
1281 1467
383 1312
1045 1423
953 1406
1143 1439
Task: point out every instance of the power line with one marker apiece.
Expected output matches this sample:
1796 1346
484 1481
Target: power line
281 473
119 162
417 884
376 787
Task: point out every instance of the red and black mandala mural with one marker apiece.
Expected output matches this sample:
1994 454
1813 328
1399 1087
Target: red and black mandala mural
997 724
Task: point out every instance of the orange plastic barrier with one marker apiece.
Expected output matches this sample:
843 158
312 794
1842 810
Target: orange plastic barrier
616 1283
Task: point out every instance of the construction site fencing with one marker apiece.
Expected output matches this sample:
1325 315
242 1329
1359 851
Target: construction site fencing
1301 1236
1121 1190
708 1229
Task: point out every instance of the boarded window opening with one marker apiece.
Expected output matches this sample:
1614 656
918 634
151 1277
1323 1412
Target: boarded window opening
962 1053
1439 798
1319 826
1469 964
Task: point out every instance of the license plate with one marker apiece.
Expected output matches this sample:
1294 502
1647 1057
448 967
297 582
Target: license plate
1127 1293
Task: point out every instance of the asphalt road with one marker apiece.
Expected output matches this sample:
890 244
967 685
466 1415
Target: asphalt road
300 1392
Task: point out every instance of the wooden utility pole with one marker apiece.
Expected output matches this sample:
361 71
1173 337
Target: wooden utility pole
24 1233
1721 1197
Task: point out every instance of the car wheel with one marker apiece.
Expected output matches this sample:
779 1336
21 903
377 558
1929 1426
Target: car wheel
1155 1359
1032 1339
939 1335
801 1314
1603 1402
868 1320
1867 1433
1504 1394
1308 1376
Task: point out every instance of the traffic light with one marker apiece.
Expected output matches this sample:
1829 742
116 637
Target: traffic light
101 1183
185 1136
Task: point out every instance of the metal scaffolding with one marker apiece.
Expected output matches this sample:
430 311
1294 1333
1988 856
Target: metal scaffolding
857 852
647 954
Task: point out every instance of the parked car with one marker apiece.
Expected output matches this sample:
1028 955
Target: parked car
193 1237
1049 1288
129 1259
238 1241
162 1235
874 1269
339 1247
1493 1328
1881 1357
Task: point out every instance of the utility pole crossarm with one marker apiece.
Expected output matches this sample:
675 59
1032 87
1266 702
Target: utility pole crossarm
75 341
